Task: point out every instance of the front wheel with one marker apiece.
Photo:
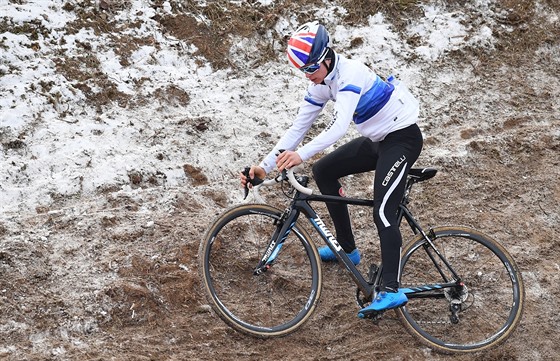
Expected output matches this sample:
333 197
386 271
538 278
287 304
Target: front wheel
484 308
273 301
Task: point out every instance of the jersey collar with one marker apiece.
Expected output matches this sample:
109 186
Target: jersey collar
332 70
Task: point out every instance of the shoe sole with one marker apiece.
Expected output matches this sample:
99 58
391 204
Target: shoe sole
336 261
368 313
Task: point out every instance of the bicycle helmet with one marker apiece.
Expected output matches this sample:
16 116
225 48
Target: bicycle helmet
308 45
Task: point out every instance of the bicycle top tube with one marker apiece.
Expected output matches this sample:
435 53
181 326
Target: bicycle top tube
415 175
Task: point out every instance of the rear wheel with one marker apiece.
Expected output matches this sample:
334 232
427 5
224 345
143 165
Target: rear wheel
479 314
272 303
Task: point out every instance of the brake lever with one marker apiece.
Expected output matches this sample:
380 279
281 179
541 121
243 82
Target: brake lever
255 181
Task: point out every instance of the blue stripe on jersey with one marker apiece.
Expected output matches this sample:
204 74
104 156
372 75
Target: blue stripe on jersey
309 100
373 100
351 88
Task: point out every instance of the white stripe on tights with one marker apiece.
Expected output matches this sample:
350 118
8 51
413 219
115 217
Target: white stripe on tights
399 273
387 195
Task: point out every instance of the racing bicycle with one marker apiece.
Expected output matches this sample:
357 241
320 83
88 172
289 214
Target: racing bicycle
261 272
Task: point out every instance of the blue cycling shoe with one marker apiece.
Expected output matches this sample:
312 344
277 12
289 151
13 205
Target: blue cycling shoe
328 256
385 300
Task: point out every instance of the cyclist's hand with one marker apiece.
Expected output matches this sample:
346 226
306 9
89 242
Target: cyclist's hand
288 159
253 175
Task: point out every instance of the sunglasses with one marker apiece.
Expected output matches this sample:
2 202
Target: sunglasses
310 69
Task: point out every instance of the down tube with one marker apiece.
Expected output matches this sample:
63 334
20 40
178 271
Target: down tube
333 244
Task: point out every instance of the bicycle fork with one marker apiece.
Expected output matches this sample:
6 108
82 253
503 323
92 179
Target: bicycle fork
283 229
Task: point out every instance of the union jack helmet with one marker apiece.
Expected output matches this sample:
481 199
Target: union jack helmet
308 45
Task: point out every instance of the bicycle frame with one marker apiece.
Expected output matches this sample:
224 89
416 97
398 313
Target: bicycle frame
300 204
286 282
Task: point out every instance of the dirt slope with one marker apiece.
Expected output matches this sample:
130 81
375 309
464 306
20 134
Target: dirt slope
114 276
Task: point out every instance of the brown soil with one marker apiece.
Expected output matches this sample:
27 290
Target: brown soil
143 300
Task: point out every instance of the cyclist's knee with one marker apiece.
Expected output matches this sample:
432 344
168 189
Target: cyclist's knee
318 170
322 177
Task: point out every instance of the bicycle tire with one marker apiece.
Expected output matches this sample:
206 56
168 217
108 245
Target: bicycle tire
491 305
274 303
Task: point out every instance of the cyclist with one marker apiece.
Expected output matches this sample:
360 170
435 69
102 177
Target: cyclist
385 114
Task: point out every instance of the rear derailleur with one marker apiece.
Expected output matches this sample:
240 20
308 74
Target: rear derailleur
456 297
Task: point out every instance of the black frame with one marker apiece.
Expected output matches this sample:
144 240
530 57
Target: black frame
300 204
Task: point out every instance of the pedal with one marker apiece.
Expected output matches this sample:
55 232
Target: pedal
374 315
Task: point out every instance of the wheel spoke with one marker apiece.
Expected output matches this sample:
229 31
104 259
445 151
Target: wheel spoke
489 305
274 302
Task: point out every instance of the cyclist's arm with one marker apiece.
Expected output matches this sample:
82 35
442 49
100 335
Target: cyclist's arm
345 105
307 114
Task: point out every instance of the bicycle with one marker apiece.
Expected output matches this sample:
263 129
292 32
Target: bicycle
261 273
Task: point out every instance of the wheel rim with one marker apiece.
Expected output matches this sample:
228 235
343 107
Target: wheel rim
273 302
487 309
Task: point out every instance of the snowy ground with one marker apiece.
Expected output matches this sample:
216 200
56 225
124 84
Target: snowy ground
48 156
120 143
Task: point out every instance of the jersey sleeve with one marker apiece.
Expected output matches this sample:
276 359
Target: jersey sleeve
312 105
346 101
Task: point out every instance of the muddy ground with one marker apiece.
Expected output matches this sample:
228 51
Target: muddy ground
114 276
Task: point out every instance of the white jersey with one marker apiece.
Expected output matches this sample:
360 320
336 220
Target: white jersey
361 96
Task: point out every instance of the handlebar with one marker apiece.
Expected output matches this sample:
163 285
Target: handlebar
293 181
288 175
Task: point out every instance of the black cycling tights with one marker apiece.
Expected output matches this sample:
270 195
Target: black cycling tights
391 159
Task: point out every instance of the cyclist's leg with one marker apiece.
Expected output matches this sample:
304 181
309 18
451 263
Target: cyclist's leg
356 156
397 153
